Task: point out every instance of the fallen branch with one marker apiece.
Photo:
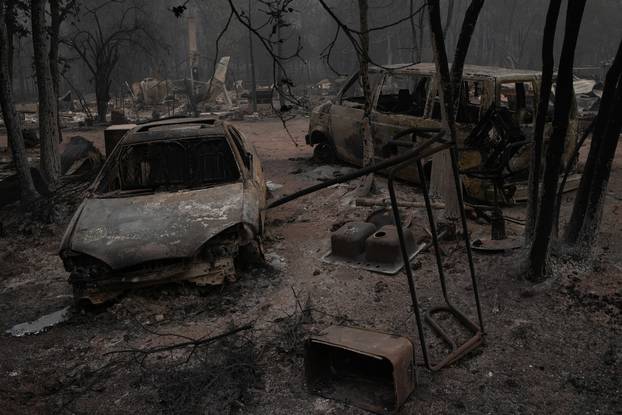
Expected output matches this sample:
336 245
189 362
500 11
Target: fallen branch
190 343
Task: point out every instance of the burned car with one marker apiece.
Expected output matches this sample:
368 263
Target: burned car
177 199
495 121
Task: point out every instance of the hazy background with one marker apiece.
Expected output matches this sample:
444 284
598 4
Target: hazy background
508 34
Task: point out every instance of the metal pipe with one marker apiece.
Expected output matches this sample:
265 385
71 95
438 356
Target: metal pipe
457 351
419 151
465 232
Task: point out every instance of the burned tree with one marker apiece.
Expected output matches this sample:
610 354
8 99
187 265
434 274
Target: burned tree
548 63
539 250
368 140
98 45
441 164
449 92
251 60
48 105
449 17
272 44
9 114
587 211
59 11
462 48
416 49
277 9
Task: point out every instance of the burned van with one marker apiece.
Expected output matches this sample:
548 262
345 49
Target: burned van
495 122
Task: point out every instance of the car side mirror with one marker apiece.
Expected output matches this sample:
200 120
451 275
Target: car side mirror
249 157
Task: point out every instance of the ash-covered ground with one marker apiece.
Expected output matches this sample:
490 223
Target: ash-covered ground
554 348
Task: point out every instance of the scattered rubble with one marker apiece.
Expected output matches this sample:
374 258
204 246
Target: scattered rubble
80 157
41 324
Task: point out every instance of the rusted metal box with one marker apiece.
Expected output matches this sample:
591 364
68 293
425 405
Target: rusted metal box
371 370
113 134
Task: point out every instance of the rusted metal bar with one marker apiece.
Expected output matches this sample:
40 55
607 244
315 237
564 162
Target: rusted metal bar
418 151
457 352
369 202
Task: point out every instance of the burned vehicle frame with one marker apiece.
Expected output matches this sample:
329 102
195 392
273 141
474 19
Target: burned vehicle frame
495 121
178 199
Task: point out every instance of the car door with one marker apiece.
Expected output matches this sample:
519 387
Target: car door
400 105
346 118
254 180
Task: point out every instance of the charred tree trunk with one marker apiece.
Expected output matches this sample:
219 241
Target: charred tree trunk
462 47
539 250
10 19
103 72
598 189
415 54
48 106
450 16
364 60
102 94
9 114
367 131
605 114
421 31
252 59
55 13
54 43
587 211
442 177
279 51
450 83
548 63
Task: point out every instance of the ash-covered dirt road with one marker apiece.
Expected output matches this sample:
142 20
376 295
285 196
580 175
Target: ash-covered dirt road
556 348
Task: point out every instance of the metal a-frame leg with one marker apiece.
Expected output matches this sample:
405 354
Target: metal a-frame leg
477 330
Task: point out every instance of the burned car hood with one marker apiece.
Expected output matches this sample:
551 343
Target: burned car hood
131 230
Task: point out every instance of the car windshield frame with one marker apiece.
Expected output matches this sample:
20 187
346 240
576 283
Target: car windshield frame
110 170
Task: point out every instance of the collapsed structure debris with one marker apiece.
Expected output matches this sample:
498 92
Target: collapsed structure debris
80 156
209 94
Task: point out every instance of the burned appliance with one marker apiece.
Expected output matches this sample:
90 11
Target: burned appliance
373 370
374 245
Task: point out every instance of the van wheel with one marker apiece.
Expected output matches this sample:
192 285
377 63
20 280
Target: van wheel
324 153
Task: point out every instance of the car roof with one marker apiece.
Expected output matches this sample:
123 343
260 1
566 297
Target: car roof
470 71
175 128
